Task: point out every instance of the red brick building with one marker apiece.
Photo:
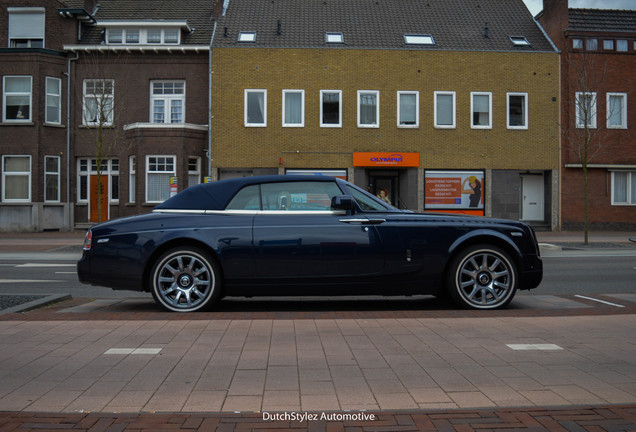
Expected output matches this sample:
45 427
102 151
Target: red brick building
598 99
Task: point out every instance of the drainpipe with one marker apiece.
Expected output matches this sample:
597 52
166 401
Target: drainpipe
68 138
210 72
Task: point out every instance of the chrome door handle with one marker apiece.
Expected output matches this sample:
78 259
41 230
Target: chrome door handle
363 221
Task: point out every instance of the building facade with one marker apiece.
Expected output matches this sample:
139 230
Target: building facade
436 106
598 99
428 103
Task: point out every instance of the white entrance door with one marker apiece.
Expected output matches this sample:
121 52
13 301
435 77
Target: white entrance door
532 195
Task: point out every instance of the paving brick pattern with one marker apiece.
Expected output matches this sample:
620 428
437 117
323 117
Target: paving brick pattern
608 418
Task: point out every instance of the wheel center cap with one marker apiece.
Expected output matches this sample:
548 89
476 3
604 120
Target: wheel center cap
185 281
484 278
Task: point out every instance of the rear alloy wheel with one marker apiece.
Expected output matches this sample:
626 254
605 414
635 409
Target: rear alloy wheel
482 277
185 280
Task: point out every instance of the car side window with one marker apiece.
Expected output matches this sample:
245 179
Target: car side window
366 202
247 198
299 196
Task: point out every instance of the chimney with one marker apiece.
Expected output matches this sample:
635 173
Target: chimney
90 6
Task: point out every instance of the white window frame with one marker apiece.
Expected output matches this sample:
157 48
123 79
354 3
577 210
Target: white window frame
98 101
334 38
593 107
5 93
168 98
472 110
172 173
132 179
56 98
194 170
110 169
400 124
418 39
628 193
525 111
246 37
52 174
124 36
6 174
454 113
264 108
361 94
623 97
30 32
331 125
302 108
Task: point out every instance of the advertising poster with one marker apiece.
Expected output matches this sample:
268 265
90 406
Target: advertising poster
454 192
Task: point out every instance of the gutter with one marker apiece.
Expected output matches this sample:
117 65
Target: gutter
68 137
210 72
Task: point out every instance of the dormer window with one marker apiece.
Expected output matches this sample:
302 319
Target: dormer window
334 38
419 39
519 41
247 37
142 36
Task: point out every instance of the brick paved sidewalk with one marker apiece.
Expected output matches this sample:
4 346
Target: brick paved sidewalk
607 418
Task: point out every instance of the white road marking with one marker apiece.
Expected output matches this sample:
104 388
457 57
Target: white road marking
600 301
541 347
127 351
27 280
66 272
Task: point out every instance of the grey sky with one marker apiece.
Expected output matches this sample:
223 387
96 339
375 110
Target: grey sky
536 6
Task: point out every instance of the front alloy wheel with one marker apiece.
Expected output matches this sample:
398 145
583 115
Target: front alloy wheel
482 277
184 280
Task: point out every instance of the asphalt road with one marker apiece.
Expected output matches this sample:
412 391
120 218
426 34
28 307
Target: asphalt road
566 272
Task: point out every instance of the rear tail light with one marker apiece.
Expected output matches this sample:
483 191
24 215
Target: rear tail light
88 240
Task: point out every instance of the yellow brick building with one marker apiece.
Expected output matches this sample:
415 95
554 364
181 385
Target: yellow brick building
497 101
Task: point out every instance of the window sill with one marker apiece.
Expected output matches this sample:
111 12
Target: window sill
17 123
97 126
55 125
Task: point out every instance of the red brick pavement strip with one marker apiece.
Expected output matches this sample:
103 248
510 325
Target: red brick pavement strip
606 418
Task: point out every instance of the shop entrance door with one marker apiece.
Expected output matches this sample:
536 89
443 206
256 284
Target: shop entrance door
385 187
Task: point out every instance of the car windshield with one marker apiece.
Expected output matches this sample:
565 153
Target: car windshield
368 202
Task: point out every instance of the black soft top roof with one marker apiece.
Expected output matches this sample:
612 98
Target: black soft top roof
216 195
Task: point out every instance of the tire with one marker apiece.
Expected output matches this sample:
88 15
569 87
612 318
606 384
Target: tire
482 277
185 279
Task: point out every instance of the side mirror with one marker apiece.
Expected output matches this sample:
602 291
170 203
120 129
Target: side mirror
343 202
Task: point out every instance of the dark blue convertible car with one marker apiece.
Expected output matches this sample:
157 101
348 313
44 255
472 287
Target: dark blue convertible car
306 235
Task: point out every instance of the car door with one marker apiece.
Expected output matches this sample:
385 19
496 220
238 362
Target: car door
297 235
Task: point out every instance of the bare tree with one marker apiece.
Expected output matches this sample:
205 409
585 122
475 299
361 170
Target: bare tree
102 104
587 140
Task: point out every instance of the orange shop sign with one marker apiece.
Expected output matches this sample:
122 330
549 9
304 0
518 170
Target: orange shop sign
386 159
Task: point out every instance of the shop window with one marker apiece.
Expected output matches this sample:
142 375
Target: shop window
16 99
16 178
330 108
